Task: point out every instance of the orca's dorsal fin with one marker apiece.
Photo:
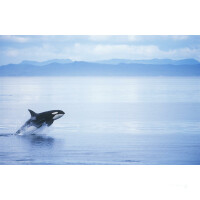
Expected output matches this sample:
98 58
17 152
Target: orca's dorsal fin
33 114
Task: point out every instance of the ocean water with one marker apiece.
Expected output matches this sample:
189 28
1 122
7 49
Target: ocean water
108 120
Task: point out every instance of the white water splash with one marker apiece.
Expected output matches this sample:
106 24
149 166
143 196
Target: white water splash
32 130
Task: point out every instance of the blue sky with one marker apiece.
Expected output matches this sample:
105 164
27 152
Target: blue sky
16 48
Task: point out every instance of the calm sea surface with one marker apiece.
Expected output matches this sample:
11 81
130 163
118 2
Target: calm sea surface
108 120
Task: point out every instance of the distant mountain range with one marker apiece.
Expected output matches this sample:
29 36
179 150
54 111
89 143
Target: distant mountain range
62 61
114 67
153 61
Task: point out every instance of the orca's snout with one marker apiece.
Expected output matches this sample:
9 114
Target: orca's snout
58 114
61 112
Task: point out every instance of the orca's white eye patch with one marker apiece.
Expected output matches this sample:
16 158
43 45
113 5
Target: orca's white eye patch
57 116
54 113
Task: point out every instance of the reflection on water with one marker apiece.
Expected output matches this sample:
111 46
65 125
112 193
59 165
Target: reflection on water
109 120
5 135
39 140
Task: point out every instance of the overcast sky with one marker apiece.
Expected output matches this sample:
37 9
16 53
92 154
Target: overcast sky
14 49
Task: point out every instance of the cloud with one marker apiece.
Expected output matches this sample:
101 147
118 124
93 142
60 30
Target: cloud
12 53
174 37
13 38
183 53
125 51
93 52
113 39
92 48
132 37
180 37
99 37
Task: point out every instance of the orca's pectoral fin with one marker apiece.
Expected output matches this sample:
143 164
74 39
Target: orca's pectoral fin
49 122
33 114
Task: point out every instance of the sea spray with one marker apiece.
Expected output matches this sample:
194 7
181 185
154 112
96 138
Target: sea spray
32 130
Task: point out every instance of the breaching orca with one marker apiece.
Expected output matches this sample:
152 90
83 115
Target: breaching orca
37 120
